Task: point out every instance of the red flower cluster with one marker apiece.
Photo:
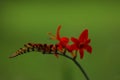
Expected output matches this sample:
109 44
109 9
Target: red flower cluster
80 44
63 41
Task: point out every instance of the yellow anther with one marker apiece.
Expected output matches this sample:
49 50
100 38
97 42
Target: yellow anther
53 37
73 54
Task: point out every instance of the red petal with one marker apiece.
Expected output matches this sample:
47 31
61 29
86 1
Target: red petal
88 48
88 41
69 48
72 47
64 40
84 36
76 41
81 51
58 32
60 46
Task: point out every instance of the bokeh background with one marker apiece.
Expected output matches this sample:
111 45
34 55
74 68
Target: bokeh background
30 21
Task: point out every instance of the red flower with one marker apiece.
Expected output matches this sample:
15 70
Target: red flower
63 41
82 43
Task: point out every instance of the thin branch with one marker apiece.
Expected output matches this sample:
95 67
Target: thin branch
77 64
80 67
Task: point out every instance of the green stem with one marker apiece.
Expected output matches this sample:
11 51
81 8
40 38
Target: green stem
77 64
80 67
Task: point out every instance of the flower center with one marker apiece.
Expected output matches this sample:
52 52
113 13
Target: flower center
81 45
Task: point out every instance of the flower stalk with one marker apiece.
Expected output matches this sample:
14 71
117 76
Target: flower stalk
77 64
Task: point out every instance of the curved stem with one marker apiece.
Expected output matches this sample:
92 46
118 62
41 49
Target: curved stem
77 64
80 67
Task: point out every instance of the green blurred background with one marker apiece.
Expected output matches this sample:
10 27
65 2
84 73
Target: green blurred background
30 21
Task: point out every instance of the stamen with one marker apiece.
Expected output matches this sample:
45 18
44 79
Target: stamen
53 37
73 55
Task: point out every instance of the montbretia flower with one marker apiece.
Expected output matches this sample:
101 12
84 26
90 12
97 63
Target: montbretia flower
63 41
82 43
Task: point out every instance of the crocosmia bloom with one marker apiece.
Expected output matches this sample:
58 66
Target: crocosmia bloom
82 43
63 41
